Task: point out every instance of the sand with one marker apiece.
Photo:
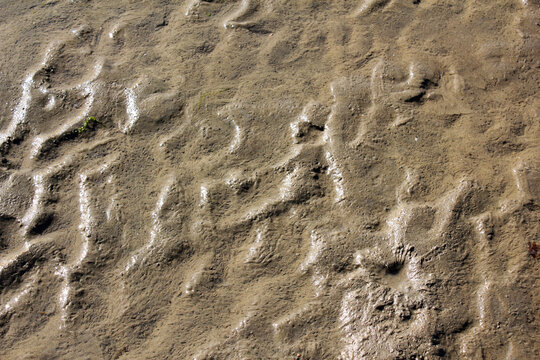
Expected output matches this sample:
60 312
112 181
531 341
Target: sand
269 179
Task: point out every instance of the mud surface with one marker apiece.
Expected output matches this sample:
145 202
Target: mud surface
269 179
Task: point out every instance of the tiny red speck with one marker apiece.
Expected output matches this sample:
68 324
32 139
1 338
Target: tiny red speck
534 250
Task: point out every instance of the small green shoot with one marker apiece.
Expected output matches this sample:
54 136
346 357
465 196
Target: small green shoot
207 95
87 122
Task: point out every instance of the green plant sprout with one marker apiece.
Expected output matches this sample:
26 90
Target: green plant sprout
87 122
208 94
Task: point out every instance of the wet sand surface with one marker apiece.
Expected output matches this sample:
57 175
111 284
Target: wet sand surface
269 179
